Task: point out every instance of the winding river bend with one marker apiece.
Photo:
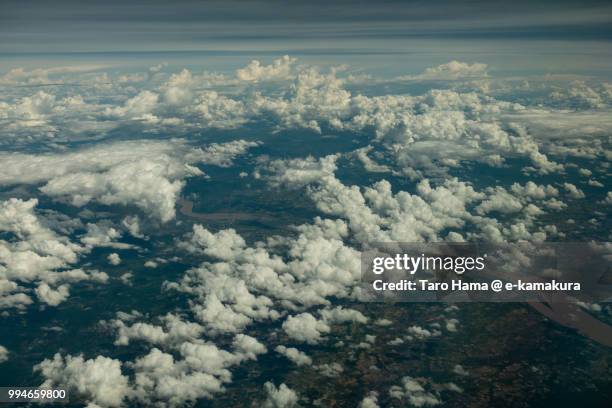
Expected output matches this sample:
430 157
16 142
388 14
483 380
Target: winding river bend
186 208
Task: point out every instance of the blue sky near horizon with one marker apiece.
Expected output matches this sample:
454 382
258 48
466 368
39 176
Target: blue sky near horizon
384 36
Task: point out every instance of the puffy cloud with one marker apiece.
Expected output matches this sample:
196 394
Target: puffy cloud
114 259
178 91
296 356
215 110
314 98
416 129
132 225
369 164
431 133
98 380
225 244
451 325
249 284
296 173
35 107
370 401
36 255
8 297
459 370
573 191
535 191
421 333
376 214
221 154
580 95
137 107
226 302
383 322
453 70
281 397
126 278
424 134
305 328
50 296
254 71
145 174
500 201
453 387
248 346
595 183
208 358
330 369
159 378
415 394
339 315
174 331
103 234
201 373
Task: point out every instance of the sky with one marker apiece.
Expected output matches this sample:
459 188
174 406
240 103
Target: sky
521 37
68 25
